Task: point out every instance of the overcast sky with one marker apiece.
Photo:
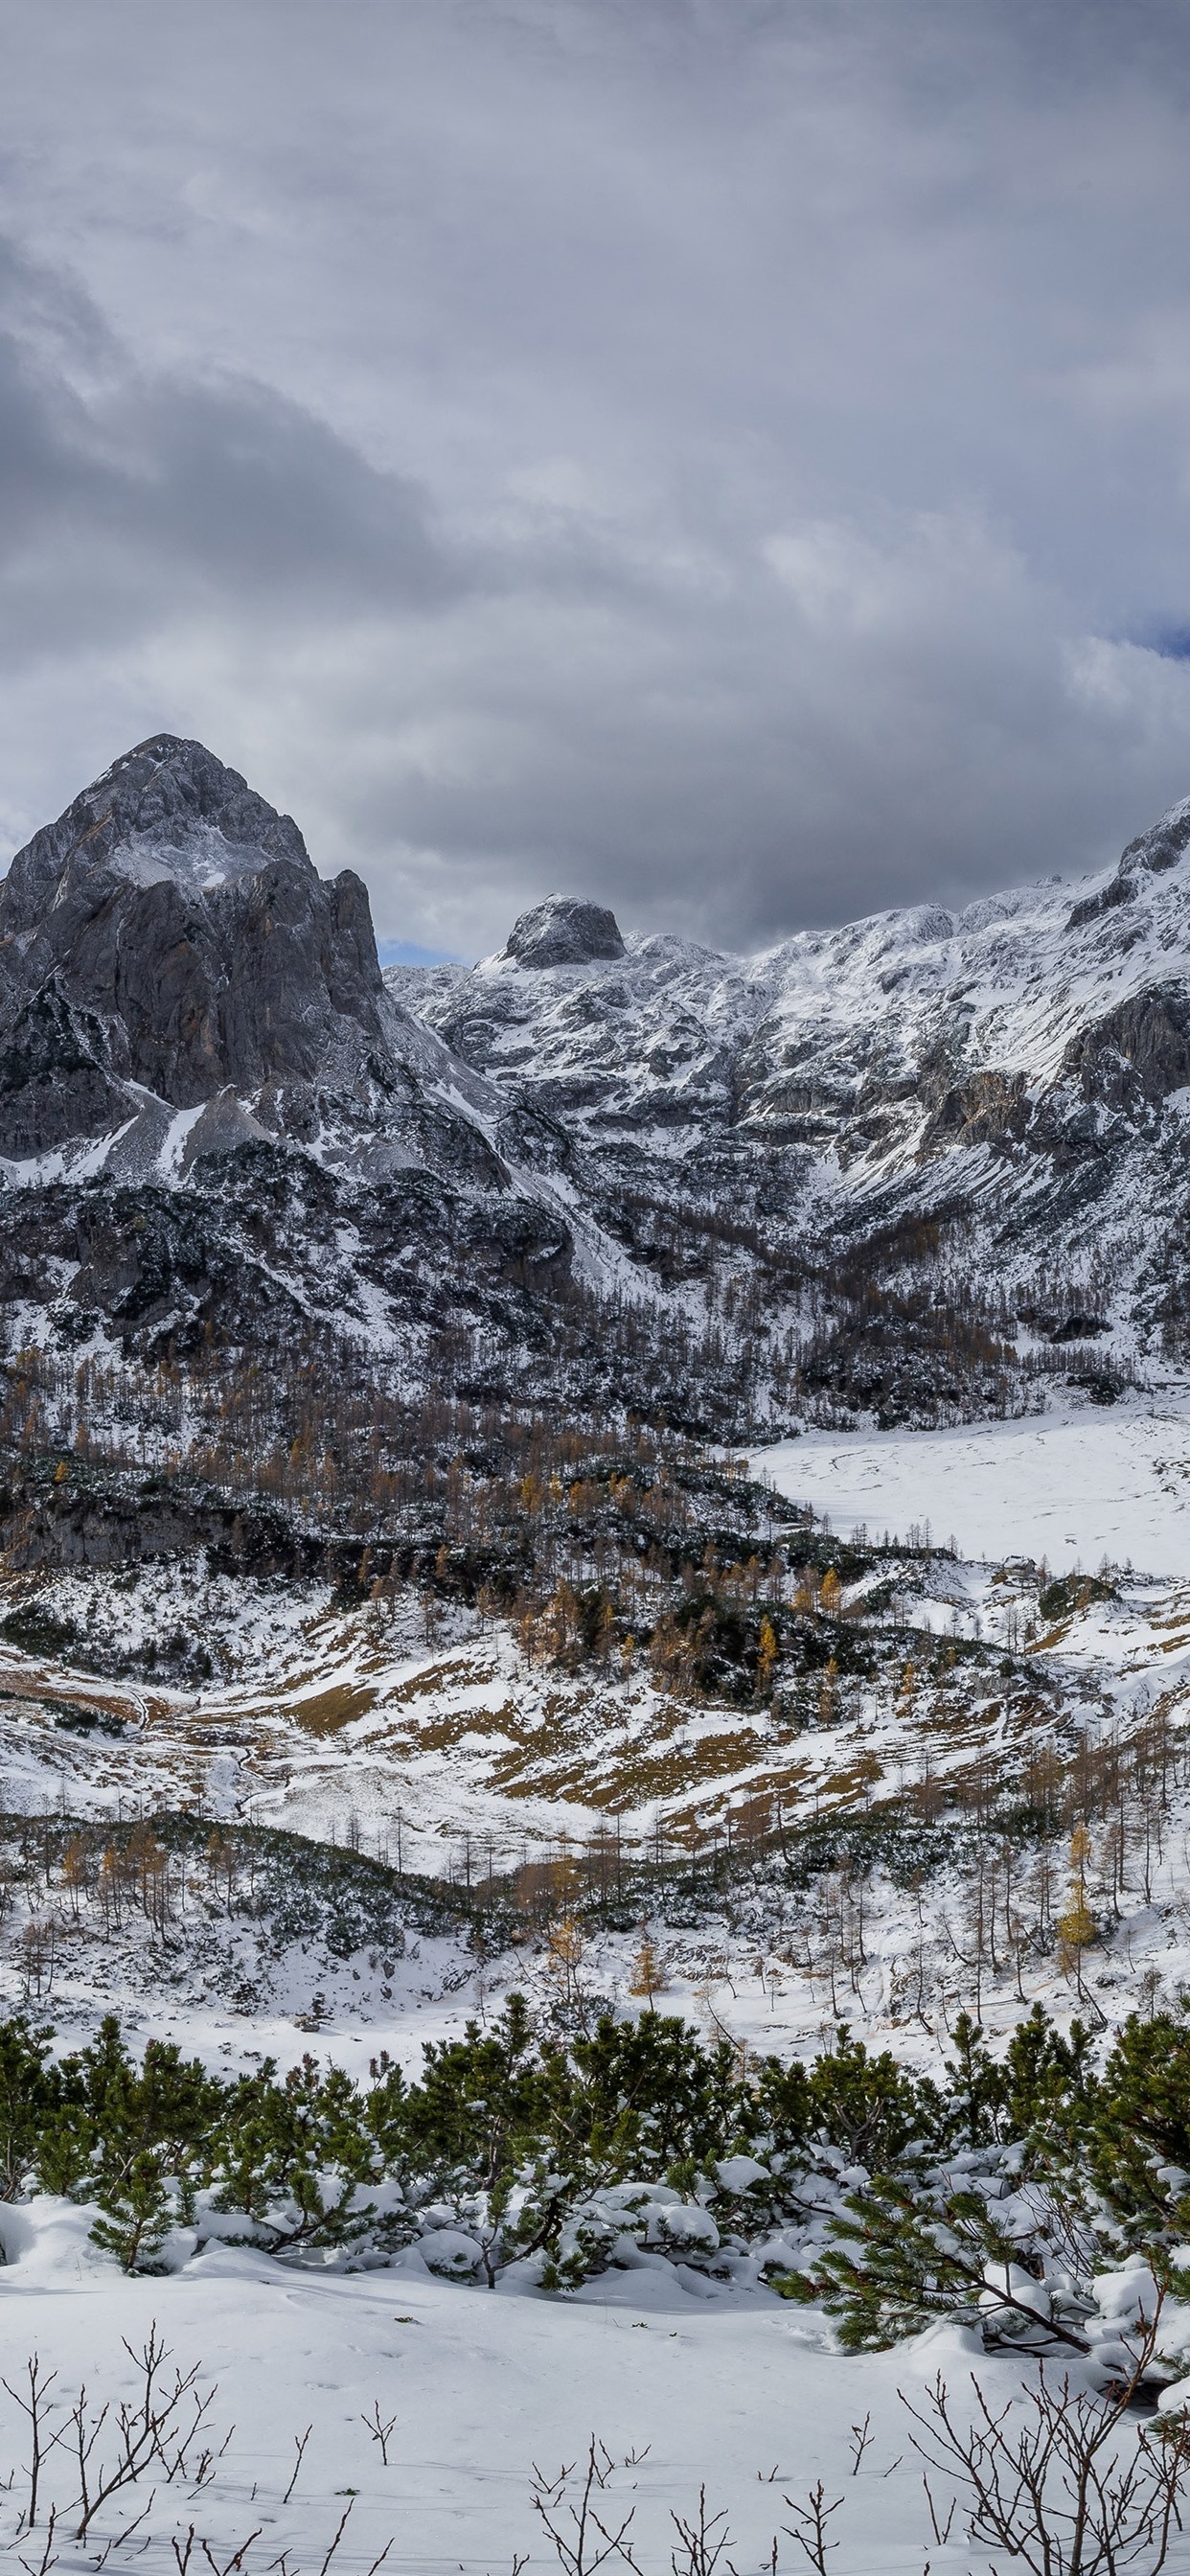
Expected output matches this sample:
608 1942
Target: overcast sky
727 457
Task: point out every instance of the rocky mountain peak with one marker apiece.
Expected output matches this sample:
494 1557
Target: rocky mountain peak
1151 854
1164 845
167 809
563 931
187 1007
170 931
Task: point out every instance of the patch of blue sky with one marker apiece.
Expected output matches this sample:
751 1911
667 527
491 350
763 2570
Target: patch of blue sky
1172 642
405 952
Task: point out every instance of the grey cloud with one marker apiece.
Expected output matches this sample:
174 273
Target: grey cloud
224 487
708 454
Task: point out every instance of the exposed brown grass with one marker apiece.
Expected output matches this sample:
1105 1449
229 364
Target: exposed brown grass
444 1676
328 1711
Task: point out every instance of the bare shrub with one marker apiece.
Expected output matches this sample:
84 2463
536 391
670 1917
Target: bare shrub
1057 2477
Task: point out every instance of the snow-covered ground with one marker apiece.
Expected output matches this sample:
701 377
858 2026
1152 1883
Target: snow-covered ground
458 1754
737 2392
1073 1485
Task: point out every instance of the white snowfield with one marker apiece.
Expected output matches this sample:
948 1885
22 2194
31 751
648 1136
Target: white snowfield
741 2396
1073 1486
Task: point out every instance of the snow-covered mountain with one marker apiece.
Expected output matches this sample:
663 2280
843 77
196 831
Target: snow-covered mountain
212 1113
1015 1077
1051 1020
215 1113
179 980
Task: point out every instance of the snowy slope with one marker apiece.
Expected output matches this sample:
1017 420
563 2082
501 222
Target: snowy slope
459 1756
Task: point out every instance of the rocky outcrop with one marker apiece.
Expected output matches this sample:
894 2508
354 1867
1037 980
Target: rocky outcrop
1152 852
563 931
1135 1056
989 1108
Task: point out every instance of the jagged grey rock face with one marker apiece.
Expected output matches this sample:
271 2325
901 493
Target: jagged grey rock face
1152 852
170 931
168 809
563 931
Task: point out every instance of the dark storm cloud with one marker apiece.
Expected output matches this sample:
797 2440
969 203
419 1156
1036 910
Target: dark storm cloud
110 504
729 457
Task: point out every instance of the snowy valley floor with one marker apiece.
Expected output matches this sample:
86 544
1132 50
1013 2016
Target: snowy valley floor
1073 1485
739 2396
454 1751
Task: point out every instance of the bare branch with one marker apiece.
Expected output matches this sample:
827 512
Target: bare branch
586 2542
347 2512
300 2441
34 2406
232 2565
862 2437
701 2542
379 2430
1059 2479
49 2555
813 2516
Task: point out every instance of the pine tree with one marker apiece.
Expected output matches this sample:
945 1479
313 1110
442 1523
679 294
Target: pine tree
297 2155
977 2091
136 2215
30 2088
1140 2127
1050 2090
870 2106
913 2250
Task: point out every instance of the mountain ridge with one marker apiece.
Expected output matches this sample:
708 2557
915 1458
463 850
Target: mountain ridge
837 1170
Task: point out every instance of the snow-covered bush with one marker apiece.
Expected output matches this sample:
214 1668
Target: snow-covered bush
1028 2197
